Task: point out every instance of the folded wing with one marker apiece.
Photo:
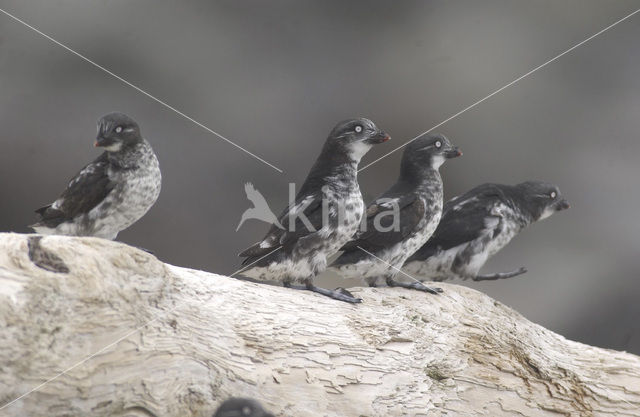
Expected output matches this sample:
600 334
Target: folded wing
84 192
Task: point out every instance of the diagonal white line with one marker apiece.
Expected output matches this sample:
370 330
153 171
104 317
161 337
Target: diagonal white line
81 362
267 163
135 87
502 88
120 339
132 332
388 264
257 260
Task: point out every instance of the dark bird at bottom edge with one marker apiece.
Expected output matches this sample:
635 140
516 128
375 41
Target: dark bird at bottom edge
325 214
478 224
402 219
112 192
241 407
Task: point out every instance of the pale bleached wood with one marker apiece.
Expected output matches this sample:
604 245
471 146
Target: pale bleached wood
400 353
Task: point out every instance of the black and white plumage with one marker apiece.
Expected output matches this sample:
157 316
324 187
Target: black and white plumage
324 216
112 192
241 407
479 223
401 220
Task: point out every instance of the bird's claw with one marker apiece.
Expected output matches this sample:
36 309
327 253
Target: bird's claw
339 293
500 275
344 291
421 287
414 286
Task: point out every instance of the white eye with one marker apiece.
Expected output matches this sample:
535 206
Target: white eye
553 194
118 129
438 144
358 129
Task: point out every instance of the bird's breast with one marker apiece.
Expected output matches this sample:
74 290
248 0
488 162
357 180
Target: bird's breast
345 214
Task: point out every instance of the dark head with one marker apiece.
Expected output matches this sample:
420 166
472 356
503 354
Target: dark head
427 153
241 407
117 131
354 137
541 199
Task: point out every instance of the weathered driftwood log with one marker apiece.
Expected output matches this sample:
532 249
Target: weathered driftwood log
138 337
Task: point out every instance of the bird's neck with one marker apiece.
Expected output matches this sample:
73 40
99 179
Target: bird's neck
335 172
522 214
426 179
522 217
331 164
129 156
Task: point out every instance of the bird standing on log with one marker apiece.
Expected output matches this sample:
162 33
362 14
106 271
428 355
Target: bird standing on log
479 223
402 219
324 216
112 192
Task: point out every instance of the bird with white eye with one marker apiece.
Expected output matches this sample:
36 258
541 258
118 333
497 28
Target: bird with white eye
324 216
112 192
478 224
400 220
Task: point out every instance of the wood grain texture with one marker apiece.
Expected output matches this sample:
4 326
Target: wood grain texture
189 339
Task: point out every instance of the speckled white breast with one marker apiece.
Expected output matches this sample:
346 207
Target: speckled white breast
471 256
137 192
395 256
434 268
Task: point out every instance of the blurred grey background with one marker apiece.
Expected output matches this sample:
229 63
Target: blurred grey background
276 76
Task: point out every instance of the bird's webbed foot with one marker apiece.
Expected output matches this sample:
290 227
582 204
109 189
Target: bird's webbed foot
500 275
340 294
336 295
416 285
344 291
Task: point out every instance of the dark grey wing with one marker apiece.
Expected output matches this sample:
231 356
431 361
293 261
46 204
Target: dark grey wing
299 220
84 192
380 231
466 218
